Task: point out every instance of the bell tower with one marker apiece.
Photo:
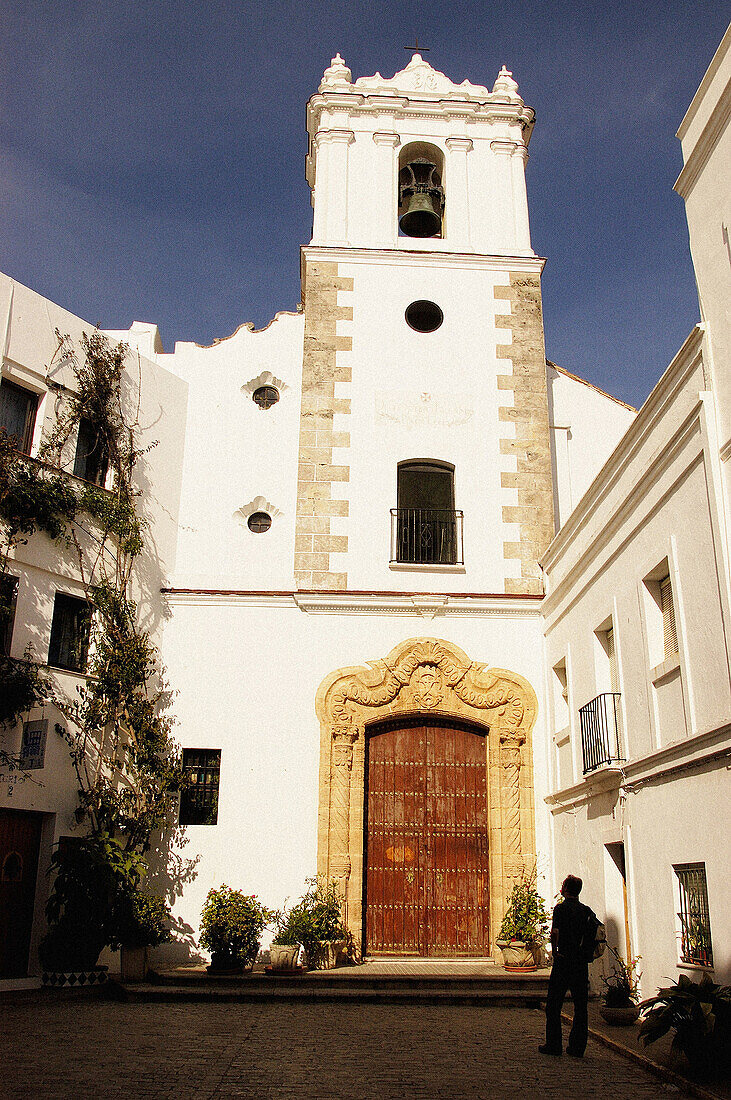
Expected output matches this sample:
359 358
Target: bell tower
389 158
423 345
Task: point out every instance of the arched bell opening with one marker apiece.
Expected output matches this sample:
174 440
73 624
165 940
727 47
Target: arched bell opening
421 190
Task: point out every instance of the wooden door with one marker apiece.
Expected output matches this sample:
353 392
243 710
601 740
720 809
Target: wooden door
426 881
20 839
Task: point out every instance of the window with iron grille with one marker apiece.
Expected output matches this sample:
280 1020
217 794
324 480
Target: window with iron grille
70 630
33 748
18 409
695 921
426 529
8 597
199 799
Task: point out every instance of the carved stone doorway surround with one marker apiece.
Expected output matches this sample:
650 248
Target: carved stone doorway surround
425 676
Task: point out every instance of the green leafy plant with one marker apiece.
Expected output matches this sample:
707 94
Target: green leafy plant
22 686
698 1014
314 920
622 982
116 725
141 920
91 876
526 917
231 926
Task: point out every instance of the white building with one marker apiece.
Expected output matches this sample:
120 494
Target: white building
356 603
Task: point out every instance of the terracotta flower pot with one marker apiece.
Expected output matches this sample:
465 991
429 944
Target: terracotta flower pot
619 1015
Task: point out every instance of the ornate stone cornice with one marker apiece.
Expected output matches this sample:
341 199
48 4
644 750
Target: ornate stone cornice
428 674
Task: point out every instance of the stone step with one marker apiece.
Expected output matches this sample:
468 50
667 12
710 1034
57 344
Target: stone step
494 989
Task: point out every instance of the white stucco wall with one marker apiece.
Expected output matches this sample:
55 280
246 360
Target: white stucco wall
586 425
30 322
255 701
657 499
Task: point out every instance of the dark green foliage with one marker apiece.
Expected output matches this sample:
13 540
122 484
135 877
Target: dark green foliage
92 876
21 687
140 921
32 497
231 927
622 982
316 918
699 1015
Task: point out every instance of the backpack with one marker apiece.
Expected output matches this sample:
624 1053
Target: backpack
594 940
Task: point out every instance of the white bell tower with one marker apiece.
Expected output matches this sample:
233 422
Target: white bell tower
424 461
363 133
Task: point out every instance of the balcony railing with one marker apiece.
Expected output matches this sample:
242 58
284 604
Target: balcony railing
600 731
427 536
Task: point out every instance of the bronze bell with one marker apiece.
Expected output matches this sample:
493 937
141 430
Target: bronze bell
421 199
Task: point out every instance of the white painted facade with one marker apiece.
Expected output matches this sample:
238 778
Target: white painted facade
246 649
659 506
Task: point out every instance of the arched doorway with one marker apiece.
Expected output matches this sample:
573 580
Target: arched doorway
426 880
432 679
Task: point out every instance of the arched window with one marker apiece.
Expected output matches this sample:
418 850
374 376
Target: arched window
426 528
421 190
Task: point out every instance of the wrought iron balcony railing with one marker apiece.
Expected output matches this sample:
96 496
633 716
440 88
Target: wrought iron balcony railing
427 536
600 731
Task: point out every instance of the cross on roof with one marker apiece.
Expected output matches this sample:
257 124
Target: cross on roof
417 48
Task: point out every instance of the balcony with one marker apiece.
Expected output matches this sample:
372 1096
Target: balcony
600 731
427 536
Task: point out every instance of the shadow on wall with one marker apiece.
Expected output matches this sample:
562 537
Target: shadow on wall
169 872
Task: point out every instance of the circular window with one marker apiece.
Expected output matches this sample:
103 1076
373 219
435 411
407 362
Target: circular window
259 522
424 316
266 396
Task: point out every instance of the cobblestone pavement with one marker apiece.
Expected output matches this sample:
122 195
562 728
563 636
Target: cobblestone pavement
97 1049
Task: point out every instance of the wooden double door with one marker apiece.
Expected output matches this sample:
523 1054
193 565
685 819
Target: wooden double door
426 839
20 839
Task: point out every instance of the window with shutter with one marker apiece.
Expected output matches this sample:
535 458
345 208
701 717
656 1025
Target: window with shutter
18 409
8 597
669 631
613 667
70 631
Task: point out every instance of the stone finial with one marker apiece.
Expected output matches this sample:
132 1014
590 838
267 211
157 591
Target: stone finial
505 85
337 74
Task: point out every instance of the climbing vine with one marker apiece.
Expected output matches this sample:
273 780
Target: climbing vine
117 727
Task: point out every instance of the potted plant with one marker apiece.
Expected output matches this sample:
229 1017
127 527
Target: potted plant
525 926
619 1004
285 947
316 923
231 926
699 1015
90 875
141 923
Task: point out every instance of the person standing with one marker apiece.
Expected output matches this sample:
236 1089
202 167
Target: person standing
572 935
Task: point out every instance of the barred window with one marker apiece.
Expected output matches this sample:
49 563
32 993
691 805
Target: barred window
695 922
33 749
199 799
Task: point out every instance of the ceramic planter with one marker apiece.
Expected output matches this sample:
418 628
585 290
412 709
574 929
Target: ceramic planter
518 955
283 956
133 964
328 954
619 1015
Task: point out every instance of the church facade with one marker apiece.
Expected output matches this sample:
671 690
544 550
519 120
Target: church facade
379 523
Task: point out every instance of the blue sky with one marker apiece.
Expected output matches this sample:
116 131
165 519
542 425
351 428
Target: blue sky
152 156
